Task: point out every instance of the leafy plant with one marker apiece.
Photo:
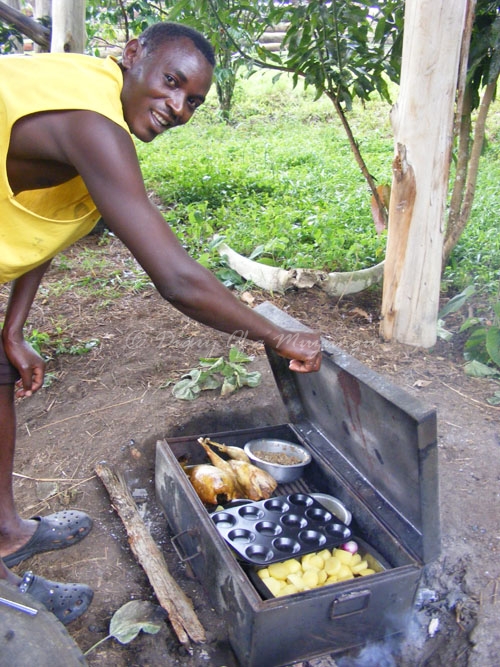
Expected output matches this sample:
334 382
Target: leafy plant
128 621
48 345
216 372
483 344
482 347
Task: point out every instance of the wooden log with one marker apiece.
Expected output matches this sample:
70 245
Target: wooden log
170 596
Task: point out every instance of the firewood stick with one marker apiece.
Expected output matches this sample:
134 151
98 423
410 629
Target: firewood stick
170 596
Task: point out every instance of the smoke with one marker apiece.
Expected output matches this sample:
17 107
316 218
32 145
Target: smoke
373 655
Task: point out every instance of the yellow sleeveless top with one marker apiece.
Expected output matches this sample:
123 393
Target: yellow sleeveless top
37 224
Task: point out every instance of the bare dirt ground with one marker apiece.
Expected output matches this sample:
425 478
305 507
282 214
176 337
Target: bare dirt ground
112 405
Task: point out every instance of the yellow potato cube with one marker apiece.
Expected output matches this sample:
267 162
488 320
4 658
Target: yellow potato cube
273 585
346 576
332 565
324 554
305 560
263 573
343 556
317 562
344 572
368 570
332 579
289 589
296 580
359 567
293 565
322 577
356 558
310 566
310 578
278 571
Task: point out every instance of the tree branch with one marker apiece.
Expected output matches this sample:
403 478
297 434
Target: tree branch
27 26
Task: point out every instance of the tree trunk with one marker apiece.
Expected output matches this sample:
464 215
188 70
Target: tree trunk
465 184
68 26
43 10
422 121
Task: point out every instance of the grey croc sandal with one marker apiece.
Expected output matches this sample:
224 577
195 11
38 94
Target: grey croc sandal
55 531
66 601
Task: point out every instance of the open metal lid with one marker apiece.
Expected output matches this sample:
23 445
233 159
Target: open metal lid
383 439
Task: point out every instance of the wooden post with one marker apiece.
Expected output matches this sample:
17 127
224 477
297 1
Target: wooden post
68 26
42 9
422 121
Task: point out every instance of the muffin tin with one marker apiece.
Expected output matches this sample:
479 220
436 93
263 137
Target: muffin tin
279 528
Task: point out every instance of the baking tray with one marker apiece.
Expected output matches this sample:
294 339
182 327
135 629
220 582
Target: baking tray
275 529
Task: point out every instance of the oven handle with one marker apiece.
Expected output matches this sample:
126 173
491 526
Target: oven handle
351 602
177 547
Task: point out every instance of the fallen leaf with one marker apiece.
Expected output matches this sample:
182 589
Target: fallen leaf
133 617
362 313
247 298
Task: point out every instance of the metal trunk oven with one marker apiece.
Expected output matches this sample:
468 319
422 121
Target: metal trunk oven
375 448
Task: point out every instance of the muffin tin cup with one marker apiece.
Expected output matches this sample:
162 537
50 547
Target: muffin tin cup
279 528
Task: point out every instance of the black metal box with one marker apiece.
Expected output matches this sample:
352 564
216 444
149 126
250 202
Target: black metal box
375 448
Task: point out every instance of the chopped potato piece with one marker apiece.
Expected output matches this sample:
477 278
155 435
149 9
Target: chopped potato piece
317 562
293 565
332 565
322 577
359 567
356 558
305 559
289 589
278 570
343 556
296 580
273 585
310 578
344 571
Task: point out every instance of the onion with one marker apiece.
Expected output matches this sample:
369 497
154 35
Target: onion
350 546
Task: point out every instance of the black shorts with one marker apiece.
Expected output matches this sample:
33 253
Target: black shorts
8 373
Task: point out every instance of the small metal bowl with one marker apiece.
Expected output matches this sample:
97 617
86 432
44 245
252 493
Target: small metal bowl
334 506
282 473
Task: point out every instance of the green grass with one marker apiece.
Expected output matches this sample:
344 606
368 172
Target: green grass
280 184
97 276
